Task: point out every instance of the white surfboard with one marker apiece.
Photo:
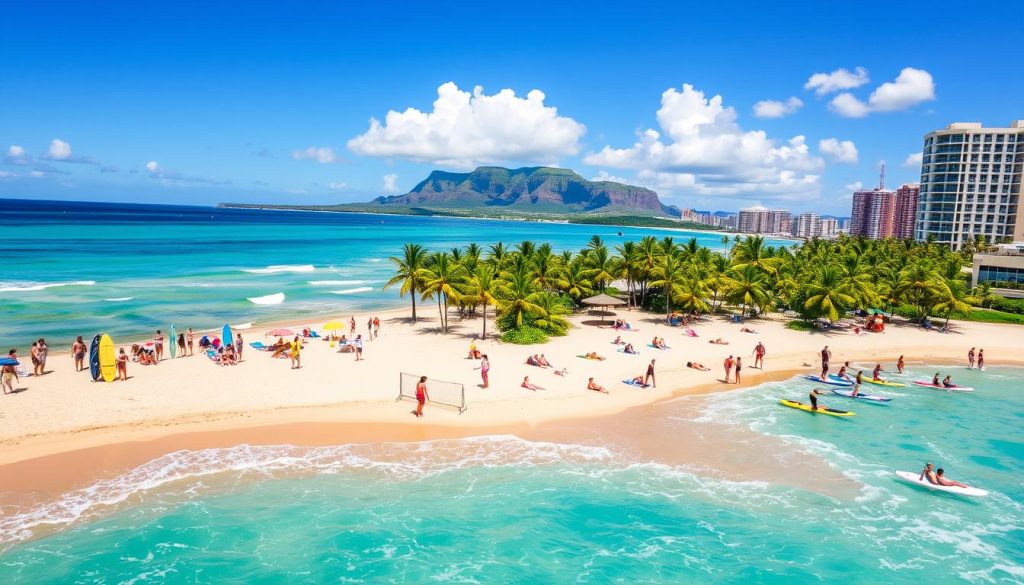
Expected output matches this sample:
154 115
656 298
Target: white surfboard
915 478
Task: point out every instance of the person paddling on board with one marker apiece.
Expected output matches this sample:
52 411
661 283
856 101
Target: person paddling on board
947 381
814 399
842 372
856 384
899 365
875 373
935 379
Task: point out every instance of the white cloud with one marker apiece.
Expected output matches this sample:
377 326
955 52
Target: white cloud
390 184
706 152
913 160
841 151
840 79
59 150
15 151
777 109
152 166
466 129
337 186
321 154
5 175
170 176
854 186
16 156
911 87
37 174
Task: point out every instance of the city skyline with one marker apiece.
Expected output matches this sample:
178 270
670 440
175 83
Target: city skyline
314 106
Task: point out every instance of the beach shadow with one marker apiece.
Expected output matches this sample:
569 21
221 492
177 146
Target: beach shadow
17 390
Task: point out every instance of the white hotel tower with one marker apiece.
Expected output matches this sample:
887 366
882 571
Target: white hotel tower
971 184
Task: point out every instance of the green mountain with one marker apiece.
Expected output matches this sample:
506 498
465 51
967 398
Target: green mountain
532 189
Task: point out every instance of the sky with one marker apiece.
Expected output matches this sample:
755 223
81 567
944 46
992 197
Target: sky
715 106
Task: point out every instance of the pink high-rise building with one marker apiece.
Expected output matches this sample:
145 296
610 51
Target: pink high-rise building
880 213
905 213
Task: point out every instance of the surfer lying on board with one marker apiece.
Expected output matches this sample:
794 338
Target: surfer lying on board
938 477
814 399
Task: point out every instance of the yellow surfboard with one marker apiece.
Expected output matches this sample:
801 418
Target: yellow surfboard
108 359
807 408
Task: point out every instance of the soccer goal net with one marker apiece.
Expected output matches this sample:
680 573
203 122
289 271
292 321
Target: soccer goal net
442 393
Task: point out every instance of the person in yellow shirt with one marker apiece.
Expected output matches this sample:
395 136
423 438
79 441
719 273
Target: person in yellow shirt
294 353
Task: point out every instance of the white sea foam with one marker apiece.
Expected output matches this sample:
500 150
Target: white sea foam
274 299
339 282
183 472
37 286
351 291
242 326
277 268
118 299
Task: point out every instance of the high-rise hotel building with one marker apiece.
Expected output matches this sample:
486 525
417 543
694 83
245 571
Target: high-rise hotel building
971 184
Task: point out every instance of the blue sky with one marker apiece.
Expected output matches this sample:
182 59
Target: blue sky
199 103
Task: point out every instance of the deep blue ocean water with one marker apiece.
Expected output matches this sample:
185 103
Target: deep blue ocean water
504 510
81 268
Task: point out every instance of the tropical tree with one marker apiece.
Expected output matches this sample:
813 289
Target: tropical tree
442 280
573 280
746 286
409 272
481 287
669 275
827 294
517 296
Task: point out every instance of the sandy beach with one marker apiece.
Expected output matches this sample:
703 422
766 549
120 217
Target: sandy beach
62 430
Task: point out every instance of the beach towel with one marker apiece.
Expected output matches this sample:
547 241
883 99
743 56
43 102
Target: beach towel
629 352
691 333
259 345
632 383
589 358
656 347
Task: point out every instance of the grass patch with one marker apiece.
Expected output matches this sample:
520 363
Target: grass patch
989 316
524 336
800 326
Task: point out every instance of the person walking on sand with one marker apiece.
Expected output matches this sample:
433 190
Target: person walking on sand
189 339
295 353
422 396
485 368
376 327
369 329
826 355
352 326
9 373
970 359
78 353
239 345
981 359
759 352
122 366
728 364
739 366
181 345
358 343
650 375
158 345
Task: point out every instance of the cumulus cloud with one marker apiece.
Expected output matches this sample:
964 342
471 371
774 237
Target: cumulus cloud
841 151
855 186
704 151
171 176
6 175
16 155
321 154
911 87
777 109
390 183
59 150
337 186
913 160
466 129
838 80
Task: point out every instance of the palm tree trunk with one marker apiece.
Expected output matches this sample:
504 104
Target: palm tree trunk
413 295
439 313
484 335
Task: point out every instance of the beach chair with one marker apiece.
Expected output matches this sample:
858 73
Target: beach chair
259 346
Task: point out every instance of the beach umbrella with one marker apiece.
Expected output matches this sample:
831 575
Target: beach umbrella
334 325
281 332
603 300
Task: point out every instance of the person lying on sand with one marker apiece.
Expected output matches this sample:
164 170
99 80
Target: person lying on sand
530 386
562 372
747 330
532 361
629 349
592 385
543 361
593 356
618 340
698 366
719 341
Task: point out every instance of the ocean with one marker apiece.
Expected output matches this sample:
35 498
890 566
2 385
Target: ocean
83 268
501 509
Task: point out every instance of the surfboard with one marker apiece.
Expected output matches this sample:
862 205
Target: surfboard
173 342
108 359
8 362
862 396
807 408
836 381
94 358
954 388
915 478
226 338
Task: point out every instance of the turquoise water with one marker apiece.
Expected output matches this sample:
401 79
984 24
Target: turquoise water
505 510
77 269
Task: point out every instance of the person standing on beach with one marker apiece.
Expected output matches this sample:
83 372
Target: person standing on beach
295 352
78 352
158 345
358 343
759 352
421 396
485 368
739 366
33 354
900 364
970 359
9 373
369 328
826 355
189 338
728 369
650 375
181 344
376 327
122 366
43 352
239 344
352 326
981 359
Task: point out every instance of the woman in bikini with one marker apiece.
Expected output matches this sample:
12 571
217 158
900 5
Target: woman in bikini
78 352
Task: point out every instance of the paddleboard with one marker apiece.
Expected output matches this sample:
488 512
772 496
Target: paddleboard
226 338
868 380
861 396
108 359
94 358
941 387
831 381
173 342
915 478
8 362
807 408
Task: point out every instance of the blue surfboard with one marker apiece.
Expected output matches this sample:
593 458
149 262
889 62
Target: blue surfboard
225 336
94 358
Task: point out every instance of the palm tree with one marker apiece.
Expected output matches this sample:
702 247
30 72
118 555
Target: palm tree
497 256
919 283
573 280
526 248
482 286
409 271
517 295
603 267
442 280
952 299
746 286
545 265
669 277
647 257
828 296
553 319
628 255
753 251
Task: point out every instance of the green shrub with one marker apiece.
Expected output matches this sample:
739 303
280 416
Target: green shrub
1009 305
988 316
524 335
800 325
